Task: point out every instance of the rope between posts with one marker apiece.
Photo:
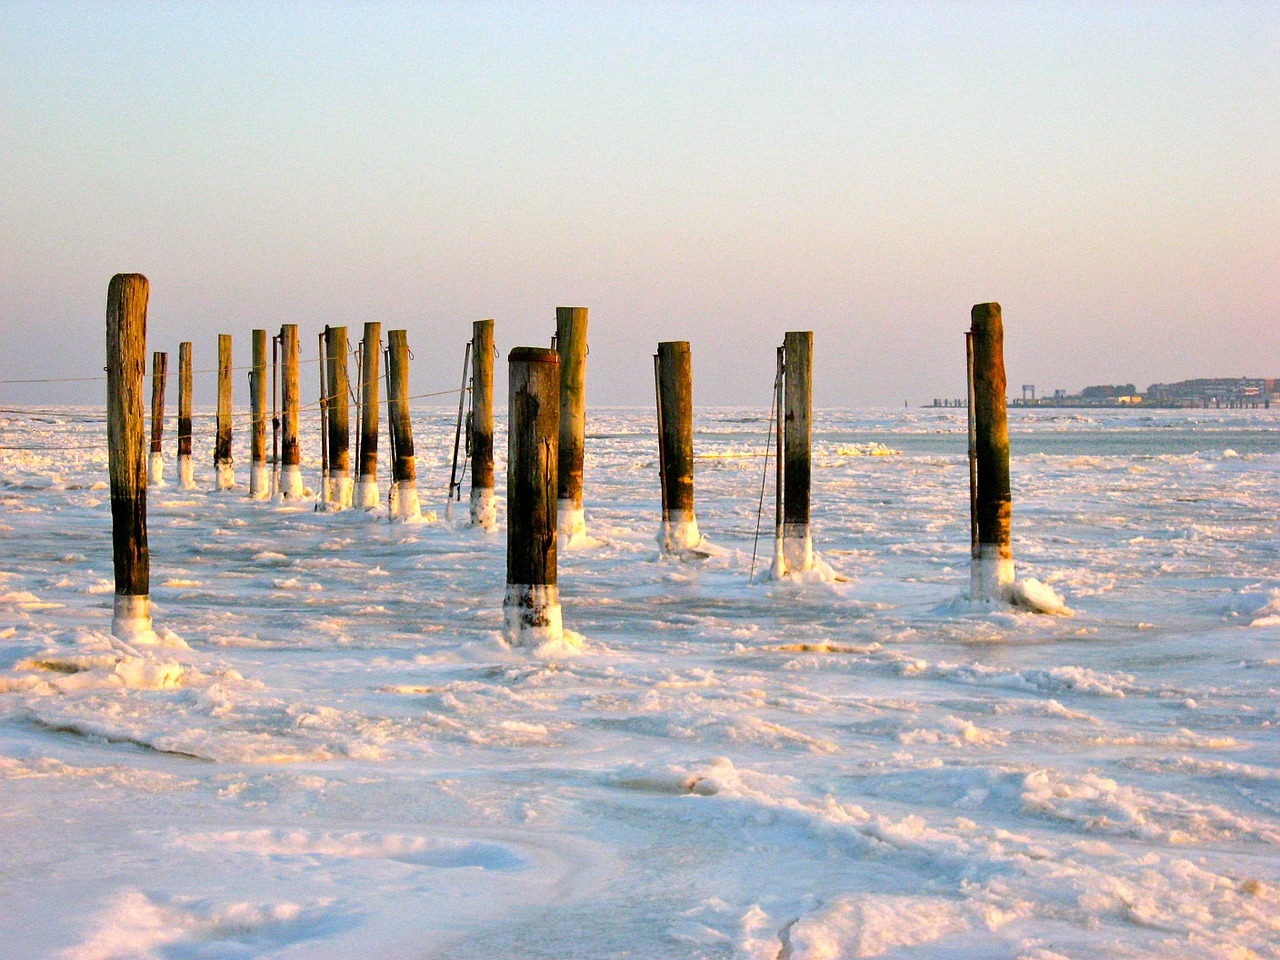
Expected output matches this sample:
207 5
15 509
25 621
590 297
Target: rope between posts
86 446
169 373
764 476
174 373
101 418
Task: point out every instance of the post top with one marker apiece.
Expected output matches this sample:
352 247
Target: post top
984 315
673 345
533 355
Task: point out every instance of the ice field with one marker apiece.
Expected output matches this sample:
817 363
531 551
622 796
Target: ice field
331 753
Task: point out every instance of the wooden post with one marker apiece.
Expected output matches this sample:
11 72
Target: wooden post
366 493
291 486
159 373
571 344
531 606
222 444
993 575
484 510
275 411
973 466
455 485
186 468
322 369
675 447
797 543
337 385
126 367
259 472
404 470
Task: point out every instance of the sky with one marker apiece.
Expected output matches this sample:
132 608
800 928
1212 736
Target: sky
716 172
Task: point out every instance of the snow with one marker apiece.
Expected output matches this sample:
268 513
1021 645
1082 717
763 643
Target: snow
484 508
324 745
405 502
155 469
367 495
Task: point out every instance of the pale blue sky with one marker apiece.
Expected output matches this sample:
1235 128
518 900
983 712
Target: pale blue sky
716 172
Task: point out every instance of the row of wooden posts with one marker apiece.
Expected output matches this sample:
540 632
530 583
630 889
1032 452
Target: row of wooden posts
281 474
546 429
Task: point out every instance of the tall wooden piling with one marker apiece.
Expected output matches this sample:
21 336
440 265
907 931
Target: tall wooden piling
222 461
291 486
531 606
571 344
159 374
259 471
366 493
674 371
484 511
337 383
126 368
797 414
992 574
186 468
404 471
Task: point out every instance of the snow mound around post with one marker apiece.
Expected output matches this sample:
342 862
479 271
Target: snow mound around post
819 571
1031 594
484 508
366 496
682 539
532 621
260 481
291 486
571 528
406 506
1028 594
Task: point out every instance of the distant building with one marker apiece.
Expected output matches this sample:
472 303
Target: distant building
1205 392
1108 391
1214 392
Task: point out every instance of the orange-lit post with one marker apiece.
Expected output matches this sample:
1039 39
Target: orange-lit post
992 574
126 442
159 373
531 606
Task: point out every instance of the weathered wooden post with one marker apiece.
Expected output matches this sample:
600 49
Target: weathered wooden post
159 373
484 510
531 606
338 496
126 367
259 472
571 344
404 470
366 493
291 486
186 467
797 543
674 372
992 574
222 444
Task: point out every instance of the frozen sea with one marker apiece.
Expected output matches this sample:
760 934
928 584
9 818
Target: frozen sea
331 754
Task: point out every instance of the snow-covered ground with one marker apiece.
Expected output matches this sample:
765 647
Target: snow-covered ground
332 755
